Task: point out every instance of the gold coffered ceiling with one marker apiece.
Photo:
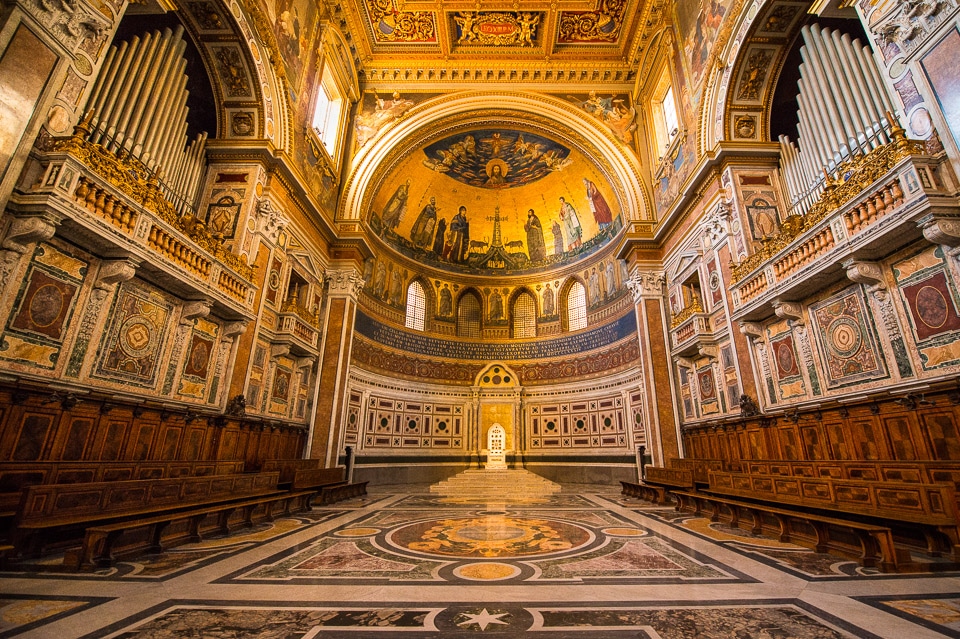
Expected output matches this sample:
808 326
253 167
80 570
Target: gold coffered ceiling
560 42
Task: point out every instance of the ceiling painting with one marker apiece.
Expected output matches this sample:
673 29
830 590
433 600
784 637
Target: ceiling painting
495 200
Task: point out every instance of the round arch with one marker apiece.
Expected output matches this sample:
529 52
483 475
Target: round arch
618 162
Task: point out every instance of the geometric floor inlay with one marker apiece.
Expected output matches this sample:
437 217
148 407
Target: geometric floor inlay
587 564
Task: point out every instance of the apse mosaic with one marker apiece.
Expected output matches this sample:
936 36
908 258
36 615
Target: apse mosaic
495 201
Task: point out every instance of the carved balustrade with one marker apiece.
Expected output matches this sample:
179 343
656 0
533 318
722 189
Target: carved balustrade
299 328
693 332
111 204
872 206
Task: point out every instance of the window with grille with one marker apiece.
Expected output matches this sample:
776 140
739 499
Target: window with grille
416 306
468 316
576 307
524 316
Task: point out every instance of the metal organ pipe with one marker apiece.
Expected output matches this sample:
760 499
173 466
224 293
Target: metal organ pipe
166 79
120 104
837 88
140 105
146 88
842 111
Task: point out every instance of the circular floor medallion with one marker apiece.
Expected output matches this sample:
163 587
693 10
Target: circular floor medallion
487 571
357 532
491 536
624 532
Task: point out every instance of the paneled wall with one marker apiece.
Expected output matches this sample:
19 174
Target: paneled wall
914 426
38 424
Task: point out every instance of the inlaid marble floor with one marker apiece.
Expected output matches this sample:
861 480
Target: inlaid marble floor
583 563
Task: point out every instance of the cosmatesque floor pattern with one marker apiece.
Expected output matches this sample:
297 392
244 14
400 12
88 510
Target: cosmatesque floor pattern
402 563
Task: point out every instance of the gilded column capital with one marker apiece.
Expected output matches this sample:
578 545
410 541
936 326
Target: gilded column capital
646 284
344 282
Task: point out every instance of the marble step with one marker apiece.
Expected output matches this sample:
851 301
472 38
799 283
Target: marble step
495 483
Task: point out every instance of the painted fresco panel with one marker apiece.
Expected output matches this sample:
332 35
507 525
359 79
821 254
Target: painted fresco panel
847 343
133 343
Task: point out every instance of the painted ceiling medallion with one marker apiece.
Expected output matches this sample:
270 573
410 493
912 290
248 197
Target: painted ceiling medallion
393 25
495 201
497 28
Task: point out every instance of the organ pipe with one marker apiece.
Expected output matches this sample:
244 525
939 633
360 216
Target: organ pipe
139 105
843 106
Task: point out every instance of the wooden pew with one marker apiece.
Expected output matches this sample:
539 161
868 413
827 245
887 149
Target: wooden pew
658 483
316 479
699 467
16 476
98 545
877 547
66 510
288 467
932 508
341 492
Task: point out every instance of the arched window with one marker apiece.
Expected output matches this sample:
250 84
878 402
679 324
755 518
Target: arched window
524 316
576 307
416 306
328 113
468 316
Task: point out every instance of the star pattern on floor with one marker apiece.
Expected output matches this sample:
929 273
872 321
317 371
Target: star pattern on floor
483 619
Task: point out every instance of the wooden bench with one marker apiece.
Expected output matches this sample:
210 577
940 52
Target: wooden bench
65 510
288 467
912 472
658 483
699 467
16 476
99 542
316 479
932 508
877 547
341 492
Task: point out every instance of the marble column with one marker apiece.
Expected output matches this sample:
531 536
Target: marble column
344 283
648 296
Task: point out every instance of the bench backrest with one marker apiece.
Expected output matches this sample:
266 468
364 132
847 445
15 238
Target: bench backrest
15 476
313 477
669 477
289 467
60 501
933 504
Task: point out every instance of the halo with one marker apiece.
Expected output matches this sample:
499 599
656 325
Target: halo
504 167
